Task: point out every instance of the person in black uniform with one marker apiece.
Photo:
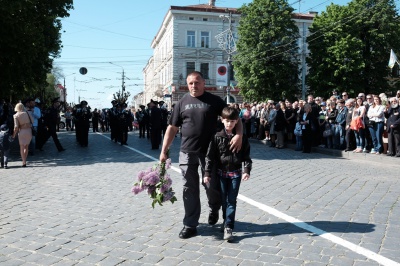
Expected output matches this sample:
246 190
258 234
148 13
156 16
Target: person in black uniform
51 119
106 119
95 120
114 113
124 119
83 116
146 120
140 118
74 119
164 117
155 125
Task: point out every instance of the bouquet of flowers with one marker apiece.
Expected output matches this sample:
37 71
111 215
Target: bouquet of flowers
156 182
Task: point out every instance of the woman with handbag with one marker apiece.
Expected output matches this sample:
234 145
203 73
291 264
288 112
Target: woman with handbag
376 119
23 127
359 130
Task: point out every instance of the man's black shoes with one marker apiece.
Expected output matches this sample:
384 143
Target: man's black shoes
213 217
187 232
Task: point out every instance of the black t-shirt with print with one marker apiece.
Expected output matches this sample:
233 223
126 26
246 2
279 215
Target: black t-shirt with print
197 117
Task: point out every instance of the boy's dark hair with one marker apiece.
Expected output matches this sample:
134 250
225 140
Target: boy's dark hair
230 113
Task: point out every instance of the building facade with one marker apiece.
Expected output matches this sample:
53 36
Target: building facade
186 42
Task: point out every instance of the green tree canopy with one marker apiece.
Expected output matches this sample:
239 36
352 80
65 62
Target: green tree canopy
30 39
266 65
350 45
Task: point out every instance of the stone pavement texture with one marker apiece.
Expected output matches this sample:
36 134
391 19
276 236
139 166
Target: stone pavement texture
76 208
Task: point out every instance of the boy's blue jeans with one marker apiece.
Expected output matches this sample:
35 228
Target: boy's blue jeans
229 193
4 154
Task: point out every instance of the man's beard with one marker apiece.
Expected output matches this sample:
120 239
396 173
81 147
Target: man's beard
394 105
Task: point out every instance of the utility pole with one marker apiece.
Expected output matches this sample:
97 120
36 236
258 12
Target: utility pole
227 43
123 81
303 63
65 93
123 77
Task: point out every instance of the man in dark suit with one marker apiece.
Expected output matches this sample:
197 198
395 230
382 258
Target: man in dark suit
155 125
51 120
83 115
393 127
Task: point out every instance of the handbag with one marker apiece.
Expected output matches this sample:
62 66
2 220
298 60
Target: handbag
34 132
327 132
297 129
356 124
371 123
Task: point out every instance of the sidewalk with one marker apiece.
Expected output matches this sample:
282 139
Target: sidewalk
382 158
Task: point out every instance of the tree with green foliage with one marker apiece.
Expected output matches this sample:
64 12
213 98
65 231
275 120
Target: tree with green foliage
267 64
350 46
30 40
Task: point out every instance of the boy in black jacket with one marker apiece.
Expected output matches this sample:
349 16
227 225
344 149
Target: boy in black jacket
5 145
229 167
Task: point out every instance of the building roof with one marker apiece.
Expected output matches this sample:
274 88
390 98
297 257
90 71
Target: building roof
205 8
215 9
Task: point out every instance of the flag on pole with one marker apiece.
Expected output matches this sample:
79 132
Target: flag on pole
393 59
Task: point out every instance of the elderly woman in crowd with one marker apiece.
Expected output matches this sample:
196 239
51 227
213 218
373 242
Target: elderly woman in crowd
280 124
359 113
271 123
23 127
393 127
375 125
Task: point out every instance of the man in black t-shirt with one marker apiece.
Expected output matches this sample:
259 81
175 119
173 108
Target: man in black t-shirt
196 113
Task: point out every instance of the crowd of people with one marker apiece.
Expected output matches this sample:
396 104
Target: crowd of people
356 124
32 123
151 120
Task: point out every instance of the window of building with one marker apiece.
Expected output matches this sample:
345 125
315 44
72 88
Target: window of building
205 19
191 18
204 70
205 39
190 67
191 38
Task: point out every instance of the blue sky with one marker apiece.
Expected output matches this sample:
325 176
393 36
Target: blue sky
103 31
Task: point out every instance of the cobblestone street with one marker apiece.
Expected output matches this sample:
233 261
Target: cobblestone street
76 208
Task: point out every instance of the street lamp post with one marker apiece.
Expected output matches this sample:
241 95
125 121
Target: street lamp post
65 93
227 43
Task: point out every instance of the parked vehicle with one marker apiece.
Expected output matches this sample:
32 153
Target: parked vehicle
62 123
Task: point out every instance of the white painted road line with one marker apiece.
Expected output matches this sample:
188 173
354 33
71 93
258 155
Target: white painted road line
312 229
337 240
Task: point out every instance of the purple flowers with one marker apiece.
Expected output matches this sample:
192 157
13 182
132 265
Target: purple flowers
156 182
